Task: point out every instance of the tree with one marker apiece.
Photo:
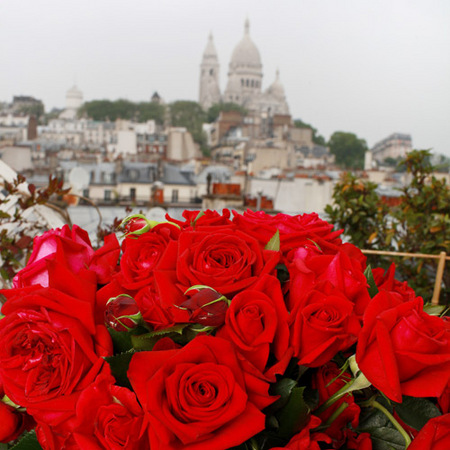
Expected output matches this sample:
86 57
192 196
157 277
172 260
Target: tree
316 138
122 109
215 110
348 149
190 115
36 109
420 223
358 211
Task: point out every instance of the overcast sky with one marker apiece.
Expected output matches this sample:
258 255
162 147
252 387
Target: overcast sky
370 67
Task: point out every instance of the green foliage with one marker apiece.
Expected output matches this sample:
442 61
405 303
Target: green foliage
28 442
416 412
317 138
122 109
189 114
348 149
36 109
216 109
419 224
357 210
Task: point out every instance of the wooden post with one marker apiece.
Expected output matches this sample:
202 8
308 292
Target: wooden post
438 281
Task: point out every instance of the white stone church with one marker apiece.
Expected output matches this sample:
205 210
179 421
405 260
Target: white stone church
244 85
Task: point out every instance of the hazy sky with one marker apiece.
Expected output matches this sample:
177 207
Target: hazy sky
371 67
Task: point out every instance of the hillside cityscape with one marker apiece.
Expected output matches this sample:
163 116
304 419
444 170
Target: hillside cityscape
238 149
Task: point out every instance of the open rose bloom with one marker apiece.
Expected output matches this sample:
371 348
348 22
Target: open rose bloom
219 331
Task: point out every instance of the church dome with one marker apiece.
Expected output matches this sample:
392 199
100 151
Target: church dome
246 53
276 89
74 92
74 98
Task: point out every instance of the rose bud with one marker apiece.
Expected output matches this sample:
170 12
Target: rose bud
122 313
207 306
136 224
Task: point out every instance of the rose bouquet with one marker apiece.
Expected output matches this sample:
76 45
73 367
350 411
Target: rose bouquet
221 331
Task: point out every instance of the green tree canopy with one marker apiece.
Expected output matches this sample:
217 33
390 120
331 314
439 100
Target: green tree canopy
217 108
123 109
316 138
348 149
189 114
36 109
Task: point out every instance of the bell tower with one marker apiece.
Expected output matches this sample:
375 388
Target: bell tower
209 76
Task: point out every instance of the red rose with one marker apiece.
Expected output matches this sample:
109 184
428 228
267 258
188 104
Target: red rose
435 435
322 325
386 281
356 441
207 218
105 259
108 417
257 322
310 266
328 380
403 350
198 397
294 230
154 312
50 345
70 247
141 255
227 261
444 400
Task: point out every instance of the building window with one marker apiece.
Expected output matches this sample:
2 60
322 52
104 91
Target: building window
86 193
253 83
246 83
174 195
211 71
107 195
242 82
133 194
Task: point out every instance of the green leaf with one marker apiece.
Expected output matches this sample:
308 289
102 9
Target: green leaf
274 243
416 412
373 290
294 415
385 438
282 273
283 389
121 340
434 310
148 340
200 214
28 442
119 367
384 435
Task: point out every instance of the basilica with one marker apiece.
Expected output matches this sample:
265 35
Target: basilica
244 84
